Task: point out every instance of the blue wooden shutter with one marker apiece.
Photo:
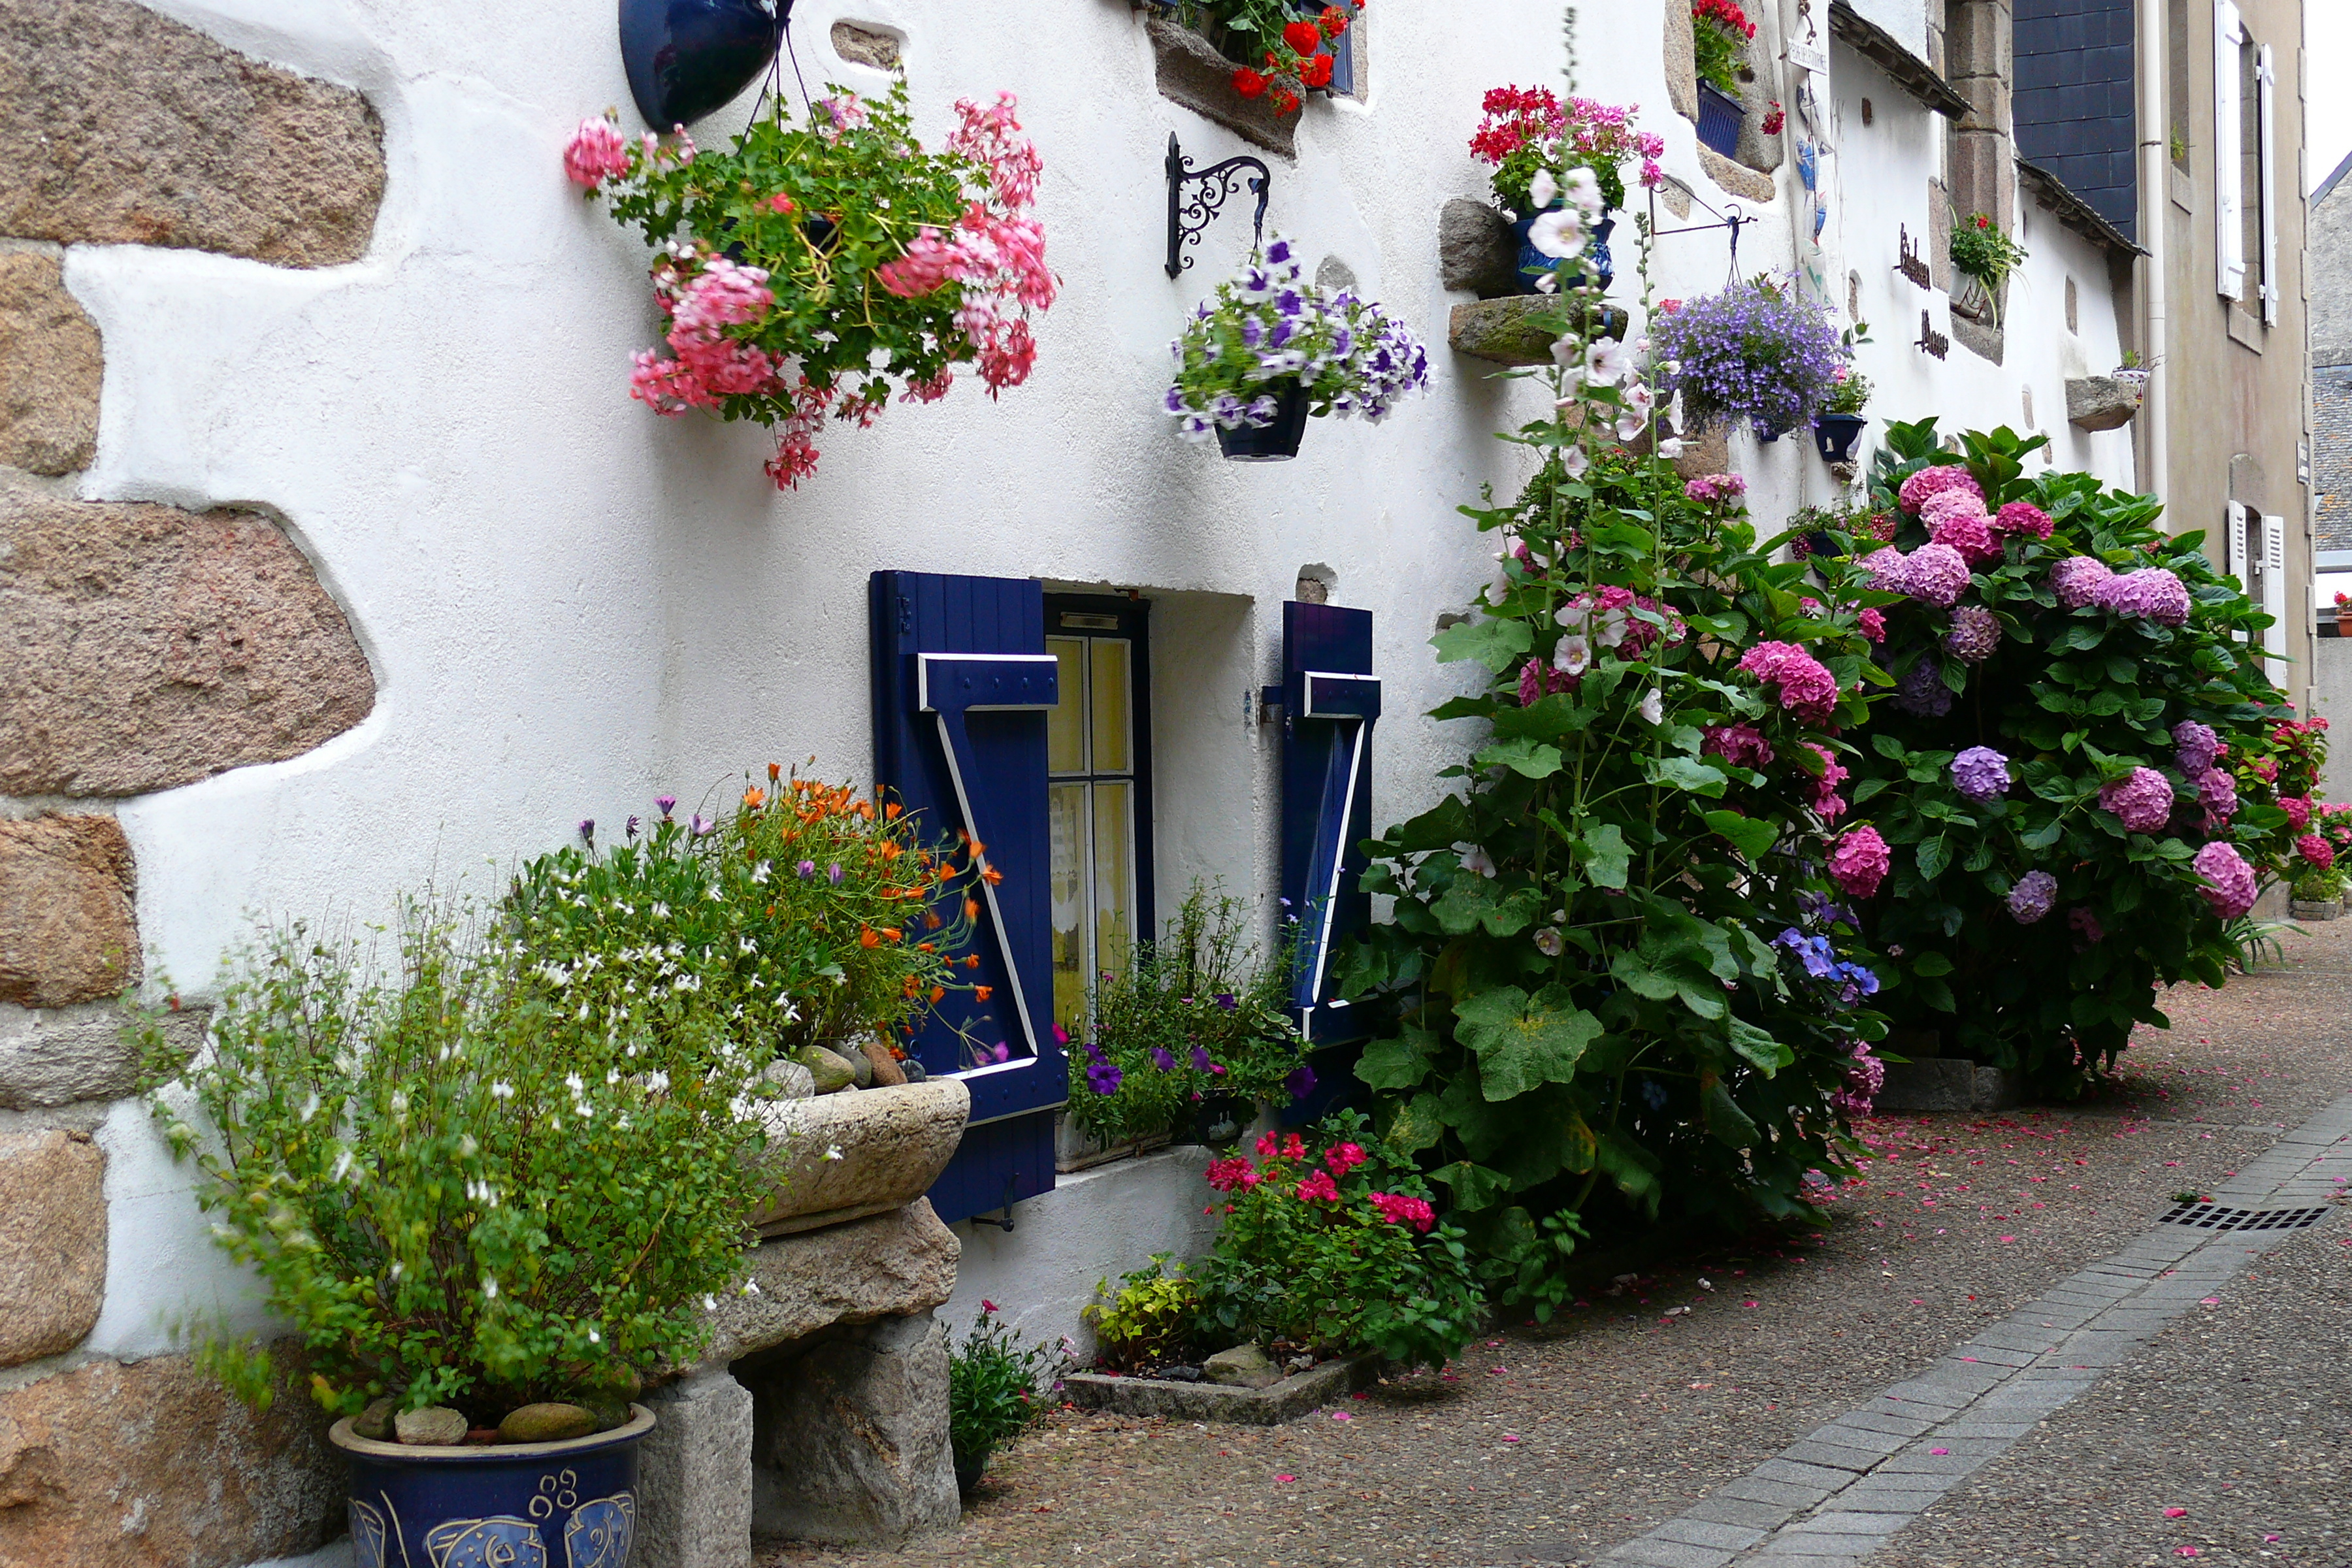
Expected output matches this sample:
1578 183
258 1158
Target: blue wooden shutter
962 682
1330 700
1343 48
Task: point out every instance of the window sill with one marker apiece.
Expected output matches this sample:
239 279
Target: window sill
2245 328
2184 189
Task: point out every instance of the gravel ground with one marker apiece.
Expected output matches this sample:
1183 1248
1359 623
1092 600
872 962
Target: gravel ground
1549 1446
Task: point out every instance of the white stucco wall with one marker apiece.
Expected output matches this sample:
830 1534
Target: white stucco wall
572 605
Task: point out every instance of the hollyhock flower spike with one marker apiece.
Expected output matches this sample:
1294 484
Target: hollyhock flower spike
2032 899
2143 800
2229 881
1861 861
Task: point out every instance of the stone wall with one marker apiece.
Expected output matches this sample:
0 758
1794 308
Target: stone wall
142 648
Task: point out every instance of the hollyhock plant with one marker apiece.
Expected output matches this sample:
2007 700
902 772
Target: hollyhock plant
1268 332
2054 741
761 244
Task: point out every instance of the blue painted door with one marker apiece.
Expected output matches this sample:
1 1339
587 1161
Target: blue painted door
962 687
1330 702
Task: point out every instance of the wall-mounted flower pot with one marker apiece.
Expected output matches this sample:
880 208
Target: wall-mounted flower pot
1534 264
1835 434
572 1503
1275 443
686 58
1823 545
1719 116
1219 1119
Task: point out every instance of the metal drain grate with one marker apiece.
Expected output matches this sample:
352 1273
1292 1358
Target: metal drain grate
2212 1216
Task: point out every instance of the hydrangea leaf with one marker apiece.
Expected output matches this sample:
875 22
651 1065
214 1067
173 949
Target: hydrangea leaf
1752 835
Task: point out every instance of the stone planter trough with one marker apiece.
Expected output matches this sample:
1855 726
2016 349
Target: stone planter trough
2327 912
1292 1397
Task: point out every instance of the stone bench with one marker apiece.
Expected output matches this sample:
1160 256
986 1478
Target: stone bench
819 1411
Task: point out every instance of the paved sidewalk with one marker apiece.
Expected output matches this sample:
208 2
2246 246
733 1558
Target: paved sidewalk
1560 1445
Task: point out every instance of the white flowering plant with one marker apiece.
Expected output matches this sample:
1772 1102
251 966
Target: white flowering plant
458 1192
1267 332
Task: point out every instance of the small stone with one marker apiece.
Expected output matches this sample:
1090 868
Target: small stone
434 1427
833 1073
861 1066
374 1423
1180 1374
865 45
795 1082
2102 402
50 368
887 1072
1300 1363
52 1243
1244 1367
608 1412
68 930
1475 248
546 1424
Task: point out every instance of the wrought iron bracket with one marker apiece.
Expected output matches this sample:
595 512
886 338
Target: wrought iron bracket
1188 218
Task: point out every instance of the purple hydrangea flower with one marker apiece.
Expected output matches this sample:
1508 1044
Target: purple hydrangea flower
2230 881
2152 593
2217 792
2035 895
1921 692
2087 925
1885 568
1981 773
1975 635
2199 746
2079 580
2144 800
1935 574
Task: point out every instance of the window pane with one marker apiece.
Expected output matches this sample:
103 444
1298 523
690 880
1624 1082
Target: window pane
1065 724
1066 808
1114 834
1112 710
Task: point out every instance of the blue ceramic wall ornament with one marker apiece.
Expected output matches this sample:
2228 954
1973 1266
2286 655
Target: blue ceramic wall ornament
689 58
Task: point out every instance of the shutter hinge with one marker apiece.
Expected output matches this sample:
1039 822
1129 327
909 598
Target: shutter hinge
1267 696
906 615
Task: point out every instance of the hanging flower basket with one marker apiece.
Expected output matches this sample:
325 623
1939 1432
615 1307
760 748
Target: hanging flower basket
1759 351
1270 348
818 266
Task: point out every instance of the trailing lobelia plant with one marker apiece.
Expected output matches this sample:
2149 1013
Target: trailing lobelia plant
1760 350
1268 334
460 1192
1620 965
818 265
2049 778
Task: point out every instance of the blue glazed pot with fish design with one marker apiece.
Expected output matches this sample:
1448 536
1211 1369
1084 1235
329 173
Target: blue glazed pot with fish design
516 1505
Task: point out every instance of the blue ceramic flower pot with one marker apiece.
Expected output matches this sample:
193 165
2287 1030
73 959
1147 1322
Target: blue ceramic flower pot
1534 264
1835 434
520 1505
1719 118
688 58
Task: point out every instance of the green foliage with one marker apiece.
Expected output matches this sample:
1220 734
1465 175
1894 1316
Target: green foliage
992 1394
456 1191
1980 250
1339 1250
1848 393
2319 887
1148 1320
2073 699
1719 36
1200 994
804 916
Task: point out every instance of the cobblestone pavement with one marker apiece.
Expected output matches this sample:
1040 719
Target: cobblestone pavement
1563 1444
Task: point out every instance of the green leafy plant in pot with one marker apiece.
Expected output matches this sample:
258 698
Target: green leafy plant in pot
488 1217
992 1394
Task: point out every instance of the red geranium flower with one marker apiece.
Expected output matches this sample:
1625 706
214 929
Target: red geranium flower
1317 71
1285 100
1249 84
1304 37
1334 21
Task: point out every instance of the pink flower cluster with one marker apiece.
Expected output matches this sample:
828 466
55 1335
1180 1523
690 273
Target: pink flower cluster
1715 488
1934 574
1958 518
1940 480
596 152
1397 1209
2297 809
1318 1188
1608 616
2152 593
1827 802
1742 745
2144 800
1863 1080
1538 680
1807 690
1233 1175
1344 1157
704 294
2316 851
2230 881
1861 861
1873 623
2023 518
2079 580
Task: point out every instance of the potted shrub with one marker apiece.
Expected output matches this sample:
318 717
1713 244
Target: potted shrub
1759 351
1720 33
1984 258
489 1216
1269 349
2132 374
1839 423
2343 614
1281 49
992 1395
1535 142
818 265
1194 1032
2318 895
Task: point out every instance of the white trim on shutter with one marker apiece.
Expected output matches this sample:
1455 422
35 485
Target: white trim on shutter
2229 146
2235 555
2275 586
2266 85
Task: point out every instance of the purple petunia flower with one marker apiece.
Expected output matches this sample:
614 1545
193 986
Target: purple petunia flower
1163 1058
2035 895
1300 1083
1104 1078
1201 1059
1981 773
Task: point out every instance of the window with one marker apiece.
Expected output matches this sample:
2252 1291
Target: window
1098 793
2229 168
2253 199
